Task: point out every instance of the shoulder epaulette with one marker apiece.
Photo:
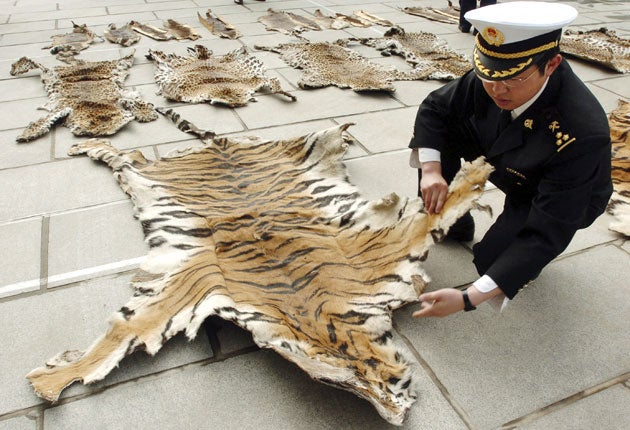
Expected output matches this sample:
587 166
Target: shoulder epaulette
562 138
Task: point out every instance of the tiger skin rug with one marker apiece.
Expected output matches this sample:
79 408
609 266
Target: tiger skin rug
619 204
272 236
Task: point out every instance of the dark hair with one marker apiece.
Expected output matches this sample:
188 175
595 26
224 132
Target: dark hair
542 60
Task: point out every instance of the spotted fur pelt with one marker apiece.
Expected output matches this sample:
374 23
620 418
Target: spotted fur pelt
424 51
87 97
272 236
325 63
231 79
601 46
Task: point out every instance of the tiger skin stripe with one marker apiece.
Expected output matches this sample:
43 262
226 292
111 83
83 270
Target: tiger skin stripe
619 204
272 236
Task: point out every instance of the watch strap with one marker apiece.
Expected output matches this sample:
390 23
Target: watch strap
467 305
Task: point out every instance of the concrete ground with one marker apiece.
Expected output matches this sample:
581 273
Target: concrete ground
557 358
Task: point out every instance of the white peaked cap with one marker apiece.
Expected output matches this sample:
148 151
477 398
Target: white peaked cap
521 20
511 36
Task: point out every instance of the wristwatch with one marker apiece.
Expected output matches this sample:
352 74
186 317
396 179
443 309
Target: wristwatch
467 305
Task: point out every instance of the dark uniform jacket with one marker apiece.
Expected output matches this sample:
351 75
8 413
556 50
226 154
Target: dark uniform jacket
552 162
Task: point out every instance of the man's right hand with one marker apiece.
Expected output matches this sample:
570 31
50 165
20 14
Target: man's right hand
433 186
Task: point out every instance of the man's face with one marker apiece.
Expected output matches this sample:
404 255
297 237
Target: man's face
512 93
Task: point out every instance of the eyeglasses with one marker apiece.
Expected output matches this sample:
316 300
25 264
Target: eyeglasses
509 83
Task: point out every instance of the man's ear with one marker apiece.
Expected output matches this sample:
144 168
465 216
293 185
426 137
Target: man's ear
553 64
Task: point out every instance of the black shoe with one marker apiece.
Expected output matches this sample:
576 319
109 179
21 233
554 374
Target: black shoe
464 29
463 230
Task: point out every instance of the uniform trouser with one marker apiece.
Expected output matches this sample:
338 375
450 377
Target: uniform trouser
467 5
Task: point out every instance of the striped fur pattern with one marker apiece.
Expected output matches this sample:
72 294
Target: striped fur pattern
619 205
272 236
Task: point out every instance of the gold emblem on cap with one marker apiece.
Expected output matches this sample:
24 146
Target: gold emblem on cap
493 36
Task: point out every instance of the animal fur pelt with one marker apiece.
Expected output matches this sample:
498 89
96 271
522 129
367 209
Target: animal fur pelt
272 236
218 26
325 64
171 30
231 79
448 15
619 205
68 45
87 97
287 22
124 35
424 51
600 46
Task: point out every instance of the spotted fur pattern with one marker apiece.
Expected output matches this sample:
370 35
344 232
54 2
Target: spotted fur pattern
424 51
87 97
325 63
601 46
619 205
69 44
272 236
231 79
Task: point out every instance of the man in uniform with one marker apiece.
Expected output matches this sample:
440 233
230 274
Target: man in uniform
546 135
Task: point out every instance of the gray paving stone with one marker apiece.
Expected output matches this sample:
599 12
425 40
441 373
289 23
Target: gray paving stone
38 327
30 26
330 102
53 187
19 113
22 88
382 174
118 19
383 131
77 14
166 5
29 37
608 99
20 256
15 155
13 52
590 72
560 336
237 394
19 423
412 93
94 241
620 86
607 410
